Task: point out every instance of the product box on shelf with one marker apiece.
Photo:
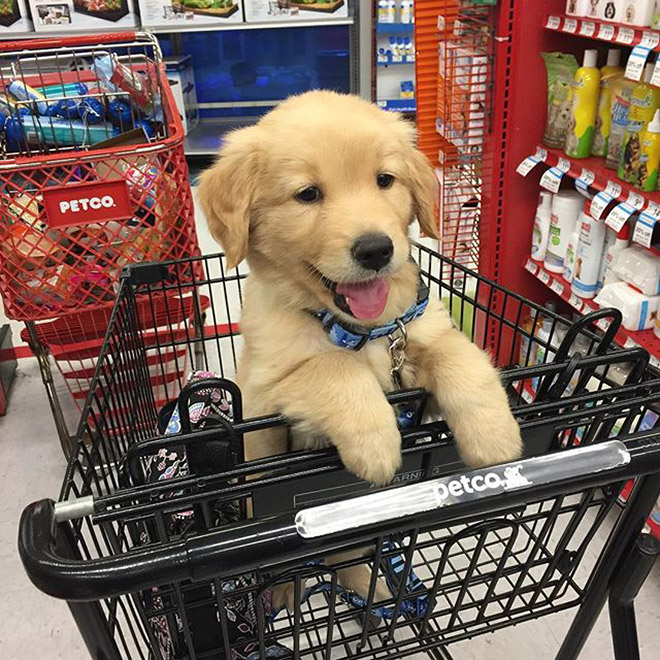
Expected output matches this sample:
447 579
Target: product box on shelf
14 16
81 15
187 13
180 76
258 11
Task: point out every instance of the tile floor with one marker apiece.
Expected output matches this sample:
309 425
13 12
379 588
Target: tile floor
33 625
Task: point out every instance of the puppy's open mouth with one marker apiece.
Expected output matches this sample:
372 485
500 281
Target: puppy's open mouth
363 300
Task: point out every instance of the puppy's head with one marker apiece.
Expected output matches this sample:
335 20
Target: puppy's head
319 195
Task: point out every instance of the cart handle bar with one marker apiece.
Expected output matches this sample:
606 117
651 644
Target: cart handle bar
239 547
73 40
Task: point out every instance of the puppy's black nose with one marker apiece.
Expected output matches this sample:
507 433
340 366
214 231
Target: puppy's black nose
373 251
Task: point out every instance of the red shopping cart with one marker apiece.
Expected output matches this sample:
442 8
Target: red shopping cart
93 177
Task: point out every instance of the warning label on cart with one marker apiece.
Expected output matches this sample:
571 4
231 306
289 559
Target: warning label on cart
81 204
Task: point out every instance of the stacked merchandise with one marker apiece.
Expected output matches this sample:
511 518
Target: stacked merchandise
14 17
66 15
642 13
190 13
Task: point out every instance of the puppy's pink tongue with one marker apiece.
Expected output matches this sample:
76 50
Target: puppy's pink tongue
366 300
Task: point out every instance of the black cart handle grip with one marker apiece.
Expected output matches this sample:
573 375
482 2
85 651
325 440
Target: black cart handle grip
54 563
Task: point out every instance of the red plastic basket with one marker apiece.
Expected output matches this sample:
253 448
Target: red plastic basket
72 217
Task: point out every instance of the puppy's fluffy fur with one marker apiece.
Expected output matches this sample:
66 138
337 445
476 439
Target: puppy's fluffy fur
340 144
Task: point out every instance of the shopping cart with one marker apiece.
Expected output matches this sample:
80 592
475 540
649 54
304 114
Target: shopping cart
93 177
166 544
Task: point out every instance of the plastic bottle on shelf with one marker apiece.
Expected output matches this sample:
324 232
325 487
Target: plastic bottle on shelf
655 21
577 7
611 10
571 253
541 226
401 47
542 339
588 256
608 73
409 48
650 158
406 11
644 101
566 208
391 11
393 47
638 12
584 107
613 246
382 55
382 11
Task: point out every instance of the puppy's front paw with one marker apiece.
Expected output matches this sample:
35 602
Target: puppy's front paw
490 439
374 456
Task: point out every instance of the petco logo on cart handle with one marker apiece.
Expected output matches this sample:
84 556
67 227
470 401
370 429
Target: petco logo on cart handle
84 203
469 486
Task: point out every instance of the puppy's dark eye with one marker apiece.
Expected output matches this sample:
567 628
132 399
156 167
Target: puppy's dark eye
309 195
384 180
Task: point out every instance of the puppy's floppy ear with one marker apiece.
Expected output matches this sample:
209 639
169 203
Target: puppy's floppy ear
424 185
226 192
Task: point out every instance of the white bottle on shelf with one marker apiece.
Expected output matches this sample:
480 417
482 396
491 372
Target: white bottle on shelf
541 226
638 12
577 7
566 208
611 10
406 11
391 11
409 47
382 11
620 242
588 256
571 254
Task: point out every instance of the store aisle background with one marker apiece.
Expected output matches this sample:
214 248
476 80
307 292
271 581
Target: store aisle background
32 625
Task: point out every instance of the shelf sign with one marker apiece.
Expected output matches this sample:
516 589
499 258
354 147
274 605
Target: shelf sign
551 179
618 216
528 164
570 25
586 178
606 32
544 277
613 189
645 223
553 23
650 40
531 267
599 203
626 36
636 200
557 287
576 302
587 29
637 62
655 78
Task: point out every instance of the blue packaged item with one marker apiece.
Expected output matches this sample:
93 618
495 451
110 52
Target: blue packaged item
147 126
90 110
65 89
19 90
65 108
120 113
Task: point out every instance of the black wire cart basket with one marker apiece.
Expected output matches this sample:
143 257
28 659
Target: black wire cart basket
167 544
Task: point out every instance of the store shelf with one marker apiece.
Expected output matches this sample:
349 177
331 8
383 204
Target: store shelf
395 28
206 137
186 27
625 35
403 62
398 105
601 178
556 283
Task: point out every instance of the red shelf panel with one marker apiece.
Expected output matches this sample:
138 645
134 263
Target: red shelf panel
614 33
558 285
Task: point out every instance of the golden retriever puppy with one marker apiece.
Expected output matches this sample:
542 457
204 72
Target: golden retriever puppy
318 196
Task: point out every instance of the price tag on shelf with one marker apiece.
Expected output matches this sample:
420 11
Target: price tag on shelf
635 200
653 210
654 362
570 25
551 179
531 267
382 59
629 343
557 287
618 216
587 29
603 324
576 302
644 226
613 189
655 78
397 58
637 62
626 36
544 277
650 40
563 165
599 203
528 165
583 182
553 22
541 153
606 32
